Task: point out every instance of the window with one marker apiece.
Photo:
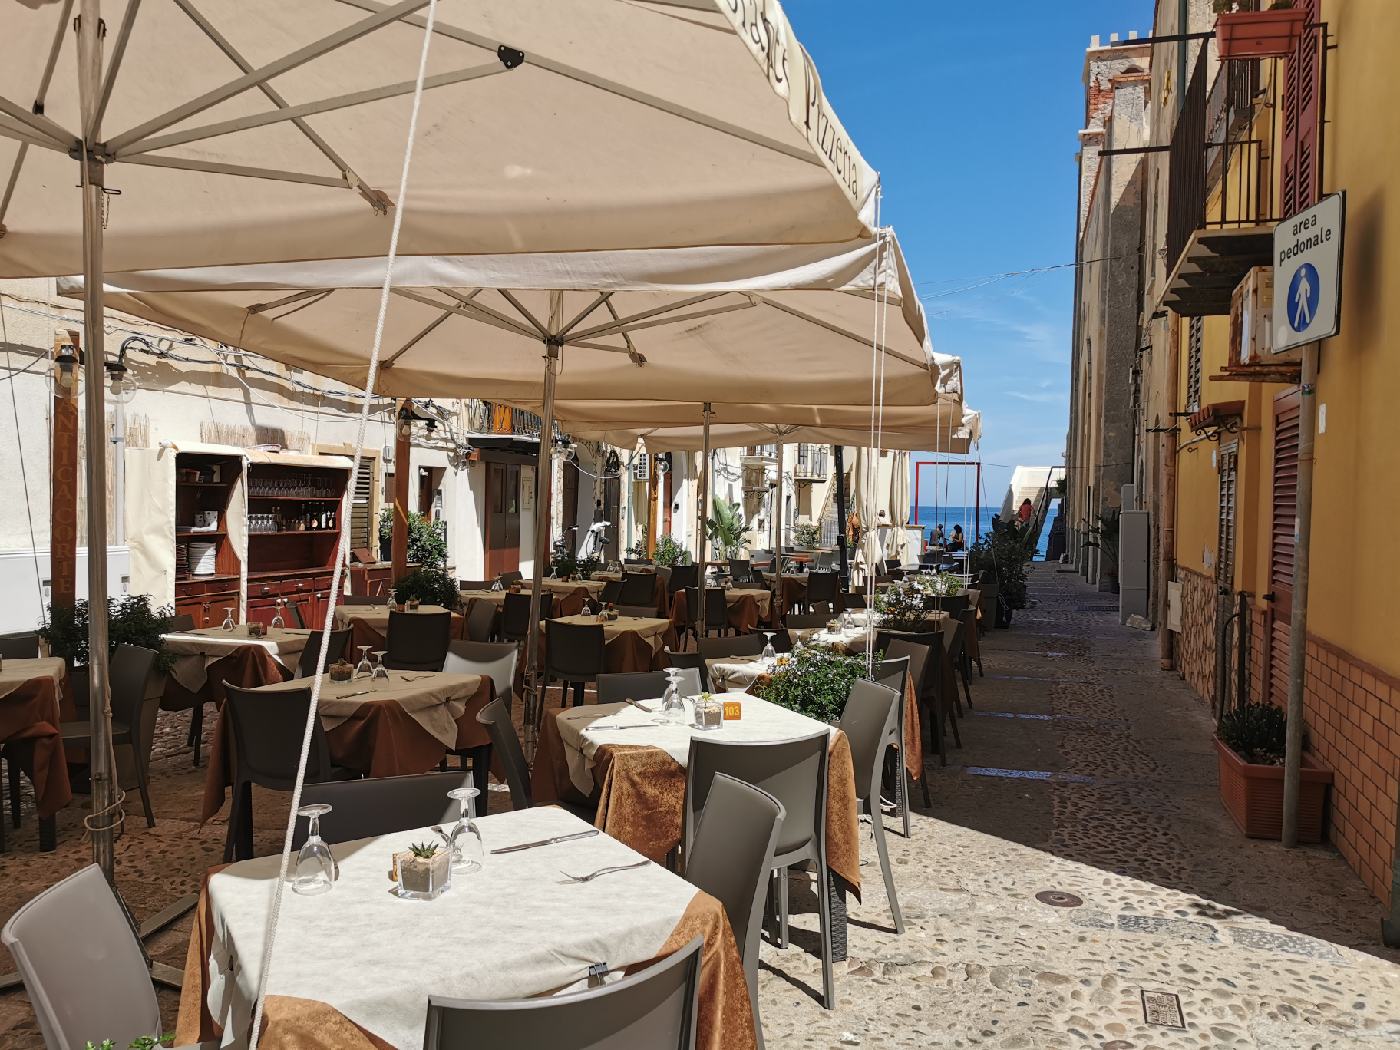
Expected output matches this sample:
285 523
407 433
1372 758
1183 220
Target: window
1193 365
1225 545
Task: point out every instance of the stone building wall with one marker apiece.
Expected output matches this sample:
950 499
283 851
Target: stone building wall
1196 644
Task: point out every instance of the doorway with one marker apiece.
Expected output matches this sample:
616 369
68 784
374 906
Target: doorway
502 540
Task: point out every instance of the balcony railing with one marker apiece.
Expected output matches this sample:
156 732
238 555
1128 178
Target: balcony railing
811 463
766 453
491 417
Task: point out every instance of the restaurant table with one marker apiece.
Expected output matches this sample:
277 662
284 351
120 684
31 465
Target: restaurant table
33 704
794 589
630 643
387 729
206 657
637 776
745 608
369 624
353 968
659 596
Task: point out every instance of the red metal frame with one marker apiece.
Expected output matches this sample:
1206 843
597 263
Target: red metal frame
977 493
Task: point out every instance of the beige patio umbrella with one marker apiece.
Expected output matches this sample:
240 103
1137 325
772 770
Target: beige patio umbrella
246 131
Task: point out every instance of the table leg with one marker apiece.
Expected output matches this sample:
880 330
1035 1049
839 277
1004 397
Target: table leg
836 891
48 834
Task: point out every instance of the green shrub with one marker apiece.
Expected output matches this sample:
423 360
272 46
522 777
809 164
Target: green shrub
562 561
430 586
806 535
669 552
426 544
1256 732
131 620
900 609
1004 552
726 527
815 683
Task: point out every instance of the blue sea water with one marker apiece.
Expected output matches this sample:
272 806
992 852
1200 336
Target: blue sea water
929 516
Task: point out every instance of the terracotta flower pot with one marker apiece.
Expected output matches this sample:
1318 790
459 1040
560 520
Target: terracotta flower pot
1259 34
1253 796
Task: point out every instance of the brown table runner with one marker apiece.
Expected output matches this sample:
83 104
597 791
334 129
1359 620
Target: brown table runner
29 721
724 1018
380 739
247 667
642 796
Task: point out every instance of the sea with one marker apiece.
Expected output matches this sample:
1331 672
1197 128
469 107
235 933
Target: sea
928 517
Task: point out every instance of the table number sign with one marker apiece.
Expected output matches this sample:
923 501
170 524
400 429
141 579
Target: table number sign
733 710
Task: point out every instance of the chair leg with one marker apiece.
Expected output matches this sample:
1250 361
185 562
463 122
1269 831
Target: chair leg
967 681
901 788
824 892
15 788
243 832
578 694
141 783
235 814
782 907
882 848
197 729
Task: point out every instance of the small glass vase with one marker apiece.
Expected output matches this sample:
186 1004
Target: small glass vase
424 879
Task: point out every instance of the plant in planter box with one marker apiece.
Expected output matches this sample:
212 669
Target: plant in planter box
131 619
586 567
1249 744
430 586
806 535
141 1042
815 682
637 552
900 609
669 552
1003 552
424 870
941 584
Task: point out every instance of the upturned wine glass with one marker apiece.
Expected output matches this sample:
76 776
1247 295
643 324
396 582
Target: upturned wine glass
316 869
277 621
769 653
364 667
380 675
467 851
228 623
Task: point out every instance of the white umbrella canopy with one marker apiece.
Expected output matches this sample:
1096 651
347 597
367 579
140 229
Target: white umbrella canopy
241 131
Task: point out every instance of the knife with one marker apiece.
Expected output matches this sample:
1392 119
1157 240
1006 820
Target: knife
548 842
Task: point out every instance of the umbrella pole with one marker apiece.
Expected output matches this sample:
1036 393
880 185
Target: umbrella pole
839 455
534 678
778 546
702 505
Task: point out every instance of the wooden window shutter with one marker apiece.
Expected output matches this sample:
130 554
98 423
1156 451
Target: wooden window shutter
1285 494
1225 547
1299 174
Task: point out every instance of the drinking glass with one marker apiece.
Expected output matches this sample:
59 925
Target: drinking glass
769 653
467 851
316 869
672 704
277 621
364 666
379 677
228 623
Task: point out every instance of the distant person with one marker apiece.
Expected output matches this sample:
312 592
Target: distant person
956 542
938 538
1026 511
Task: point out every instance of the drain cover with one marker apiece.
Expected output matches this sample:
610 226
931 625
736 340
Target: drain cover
1162 1008
1098 608
1059 899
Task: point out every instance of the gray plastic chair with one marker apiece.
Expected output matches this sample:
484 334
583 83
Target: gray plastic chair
494 660
731 859
128 672
642 685
654 1009
870 717
733 645
362 809
417 641
180 622
505 579
306 665
893 673
692 661
82 966
794 773
918 656
506 744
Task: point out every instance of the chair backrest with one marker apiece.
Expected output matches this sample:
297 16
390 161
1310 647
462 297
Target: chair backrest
952 637
868 720
690 661
653 1009
632 685
892 673
180 622
637 561
952 604
473 585
716 608
418 641
82 966
732 854
294 617
505 579
646 612
505 744
25 646
494 660
732 645
361 599
683 576
917 653
792 771
821 586
515 616
268 725
612 590
891 564
306 665
740 569
853 599
638 588
807 619
128 671
574 651
361 809
481 621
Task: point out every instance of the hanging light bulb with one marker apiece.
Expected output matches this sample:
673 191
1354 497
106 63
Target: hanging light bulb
65 372
121 385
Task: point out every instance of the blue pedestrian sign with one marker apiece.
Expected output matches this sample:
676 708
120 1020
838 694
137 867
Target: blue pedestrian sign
1308 274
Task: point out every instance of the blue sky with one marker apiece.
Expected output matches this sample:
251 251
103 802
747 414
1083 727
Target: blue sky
970 114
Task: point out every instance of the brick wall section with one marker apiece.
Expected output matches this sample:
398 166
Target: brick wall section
1352 714
1196 643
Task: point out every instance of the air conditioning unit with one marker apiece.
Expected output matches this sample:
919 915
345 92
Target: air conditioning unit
1251 317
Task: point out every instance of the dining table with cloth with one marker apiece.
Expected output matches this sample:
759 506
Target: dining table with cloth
745 608
381 729
34 702
208 657
369 624
630 643
637 775
659 596
353 967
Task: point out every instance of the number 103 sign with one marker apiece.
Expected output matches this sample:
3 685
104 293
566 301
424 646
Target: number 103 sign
1308 274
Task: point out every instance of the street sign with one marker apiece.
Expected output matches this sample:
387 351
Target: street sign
1308 274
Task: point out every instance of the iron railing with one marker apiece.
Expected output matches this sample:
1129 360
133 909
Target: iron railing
1186 186
811 463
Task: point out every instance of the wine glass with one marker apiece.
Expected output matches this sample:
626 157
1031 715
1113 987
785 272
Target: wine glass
316 869
672 705
380 672
467 851
364 667
769 653
277 621
391 599
228 623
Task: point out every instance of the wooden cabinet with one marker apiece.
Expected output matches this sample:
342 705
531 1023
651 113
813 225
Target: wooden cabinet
205 486
293 537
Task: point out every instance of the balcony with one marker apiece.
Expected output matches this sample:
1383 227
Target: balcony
811 463
754 455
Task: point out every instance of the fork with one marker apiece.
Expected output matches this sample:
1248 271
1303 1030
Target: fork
604 871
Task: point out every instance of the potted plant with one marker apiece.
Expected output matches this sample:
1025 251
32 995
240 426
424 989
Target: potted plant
726 527
131 620
1249 743
428 586
1273 33
427 543
806 535
586 567
637 552
562 561
141 1042
671 553
901 609
1105 538
1002 554
424 870
815 682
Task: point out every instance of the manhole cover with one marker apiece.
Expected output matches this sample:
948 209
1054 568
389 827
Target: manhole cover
1059 899
1162 1008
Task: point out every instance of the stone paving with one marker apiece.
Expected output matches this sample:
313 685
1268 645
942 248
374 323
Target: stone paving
1084 770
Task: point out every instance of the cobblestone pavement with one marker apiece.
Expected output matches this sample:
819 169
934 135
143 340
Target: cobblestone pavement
1084 770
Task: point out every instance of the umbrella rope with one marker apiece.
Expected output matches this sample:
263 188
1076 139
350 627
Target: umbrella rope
343 554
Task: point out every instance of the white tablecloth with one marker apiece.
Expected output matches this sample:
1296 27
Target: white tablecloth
514 929
433 699
15 672
581 729
650 628
376 616
195 650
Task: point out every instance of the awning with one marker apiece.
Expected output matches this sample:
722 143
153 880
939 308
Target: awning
1212 265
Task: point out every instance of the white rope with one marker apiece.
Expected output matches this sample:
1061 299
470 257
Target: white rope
367 397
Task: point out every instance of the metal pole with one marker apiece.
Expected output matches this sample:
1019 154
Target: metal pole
701 537
778 547
1298 625
839 456
534 689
